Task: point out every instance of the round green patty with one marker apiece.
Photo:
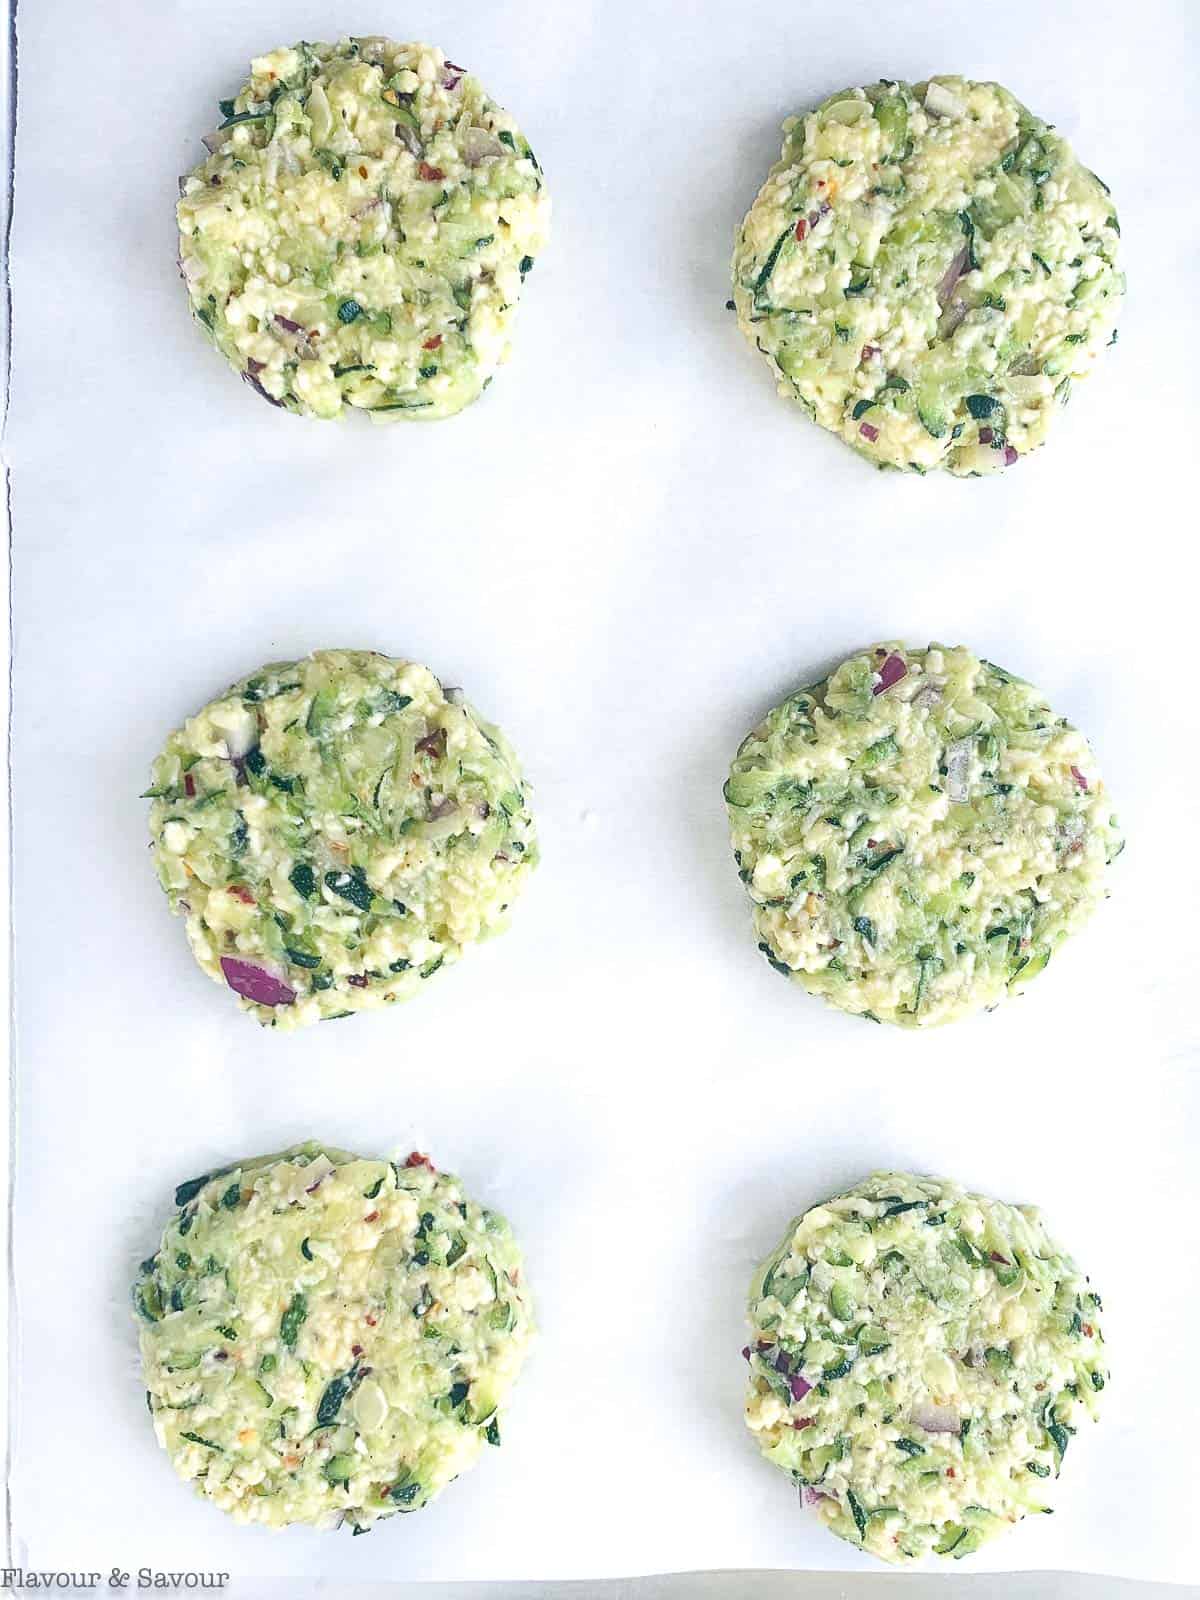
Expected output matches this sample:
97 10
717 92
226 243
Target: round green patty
927 268
918 833
362 229
335 830
328 1339
921 1359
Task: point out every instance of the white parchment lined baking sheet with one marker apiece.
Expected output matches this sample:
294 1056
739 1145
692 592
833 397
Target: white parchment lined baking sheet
625 553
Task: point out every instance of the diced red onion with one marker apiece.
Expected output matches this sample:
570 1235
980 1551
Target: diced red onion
868 431
745 1352
869 350
478 144
418 1159
305 341
932 1418
952 274
892 670
1079 779
799 1387
248 377
189 786
994 1255
254 982
812 1497
1010 456
358 979
240 740
986 435
951 318
445 807
802 1422
255 367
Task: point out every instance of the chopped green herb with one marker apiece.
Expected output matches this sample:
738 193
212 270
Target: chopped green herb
293 1320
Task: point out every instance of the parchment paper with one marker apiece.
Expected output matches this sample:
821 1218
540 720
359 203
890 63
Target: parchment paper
626 552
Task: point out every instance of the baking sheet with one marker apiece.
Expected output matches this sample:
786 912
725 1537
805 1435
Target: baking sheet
626 552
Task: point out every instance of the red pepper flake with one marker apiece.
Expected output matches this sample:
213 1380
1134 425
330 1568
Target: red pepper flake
433 344
1088 1329
801 229
371 1216
416 1159
240 892
430 174
362 172
189 786
356 1349
369 1320
358 979
1079 779
950 1472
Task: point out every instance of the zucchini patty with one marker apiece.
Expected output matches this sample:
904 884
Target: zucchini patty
927 269
335 830
921 1358
917 833
361 231
327 1339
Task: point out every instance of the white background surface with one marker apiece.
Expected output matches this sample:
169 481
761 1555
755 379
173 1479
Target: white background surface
626 552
